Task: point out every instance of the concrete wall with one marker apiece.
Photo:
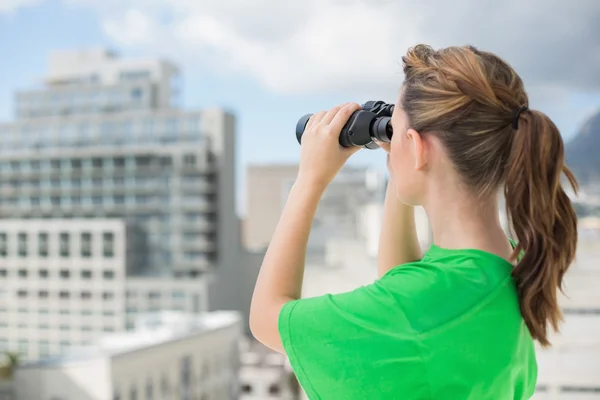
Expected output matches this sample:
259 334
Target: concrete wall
213 362
85 380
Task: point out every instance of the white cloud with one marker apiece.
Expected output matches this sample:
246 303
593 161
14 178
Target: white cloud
355 46
344 45
8 6
133 28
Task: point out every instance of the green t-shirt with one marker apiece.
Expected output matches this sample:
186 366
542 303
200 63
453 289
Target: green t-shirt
445 327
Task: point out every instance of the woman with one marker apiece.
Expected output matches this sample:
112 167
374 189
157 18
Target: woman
460 321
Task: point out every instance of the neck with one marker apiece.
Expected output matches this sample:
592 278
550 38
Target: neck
460 221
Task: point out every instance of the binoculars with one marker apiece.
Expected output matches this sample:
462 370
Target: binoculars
373 121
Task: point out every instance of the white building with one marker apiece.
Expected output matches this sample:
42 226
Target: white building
103 138
570 369
169 356
266 374
64 283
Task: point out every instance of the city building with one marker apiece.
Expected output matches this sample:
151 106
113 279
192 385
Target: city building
103 139
570 369
167 356
266 374
347 221
66 282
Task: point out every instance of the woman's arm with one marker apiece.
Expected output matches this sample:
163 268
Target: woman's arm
282 271
398 241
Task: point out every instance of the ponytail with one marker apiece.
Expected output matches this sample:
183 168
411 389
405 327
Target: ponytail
542 218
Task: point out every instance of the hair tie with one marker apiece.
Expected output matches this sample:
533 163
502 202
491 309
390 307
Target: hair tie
517 115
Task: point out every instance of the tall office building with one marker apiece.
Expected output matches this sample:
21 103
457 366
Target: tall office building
100 151
102 139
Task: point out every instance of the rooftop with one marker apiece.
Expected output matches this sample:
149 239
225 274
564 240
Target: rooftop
152 330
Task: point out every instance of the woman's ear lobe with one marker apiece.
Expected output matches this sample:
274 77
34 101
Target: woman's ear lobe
419 148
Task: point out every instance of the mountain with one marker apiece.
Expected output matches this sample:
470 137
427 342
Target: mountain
583 151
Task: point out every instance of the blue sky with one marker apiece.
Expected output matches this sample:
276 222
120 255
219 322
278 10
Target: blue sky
308 65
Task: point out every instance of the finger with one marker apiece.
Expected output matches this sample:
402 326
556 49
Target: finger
331 113
316 118
311 122
342 116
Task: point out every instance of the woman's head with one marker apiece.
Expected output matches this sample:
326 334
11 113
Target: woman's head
461 116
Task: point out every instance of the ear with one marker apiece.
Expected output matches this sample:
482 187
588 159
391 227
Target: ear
420 149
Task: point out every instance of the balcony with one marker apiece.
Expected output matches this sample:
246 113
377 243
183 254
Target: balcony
198 245
202 225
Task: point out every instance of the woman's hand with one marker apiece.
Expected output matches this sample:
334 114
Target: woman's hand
321 156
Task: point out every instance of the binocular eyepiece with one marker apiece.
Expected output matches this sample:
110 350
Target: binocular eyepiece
373 121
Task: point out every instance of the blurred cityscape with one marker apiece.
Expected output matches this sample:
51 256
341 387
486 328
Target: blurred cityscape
127 273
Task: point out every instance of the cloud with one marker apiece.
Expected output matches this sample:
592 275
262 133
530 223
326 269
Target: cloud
314 46
339 45
134 28
8 6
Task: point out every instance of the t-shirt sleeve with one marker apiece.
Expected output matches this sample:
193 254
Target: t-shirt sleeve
324 336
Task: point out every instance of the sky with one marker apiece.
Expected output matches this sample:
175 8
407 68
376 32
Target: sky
272 61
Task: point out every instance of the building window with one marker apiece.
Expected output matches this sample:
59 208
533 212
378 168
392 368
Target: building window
108 244
64 244
133 394
63 294
22 273
64 327
274 389
246 388
85 295
86 245
23 347
22 244
108 295
164 387
186 376
43 294
86 274
43 273
178 295
43 244
64 311
189 160
149 390
65 274
580 389
44 348
3 273
154 295
108 274
3 244
136 94
166 161
119 162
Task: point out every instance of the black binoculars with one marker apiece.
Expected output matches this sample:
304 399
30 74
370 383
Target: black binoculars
373 121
